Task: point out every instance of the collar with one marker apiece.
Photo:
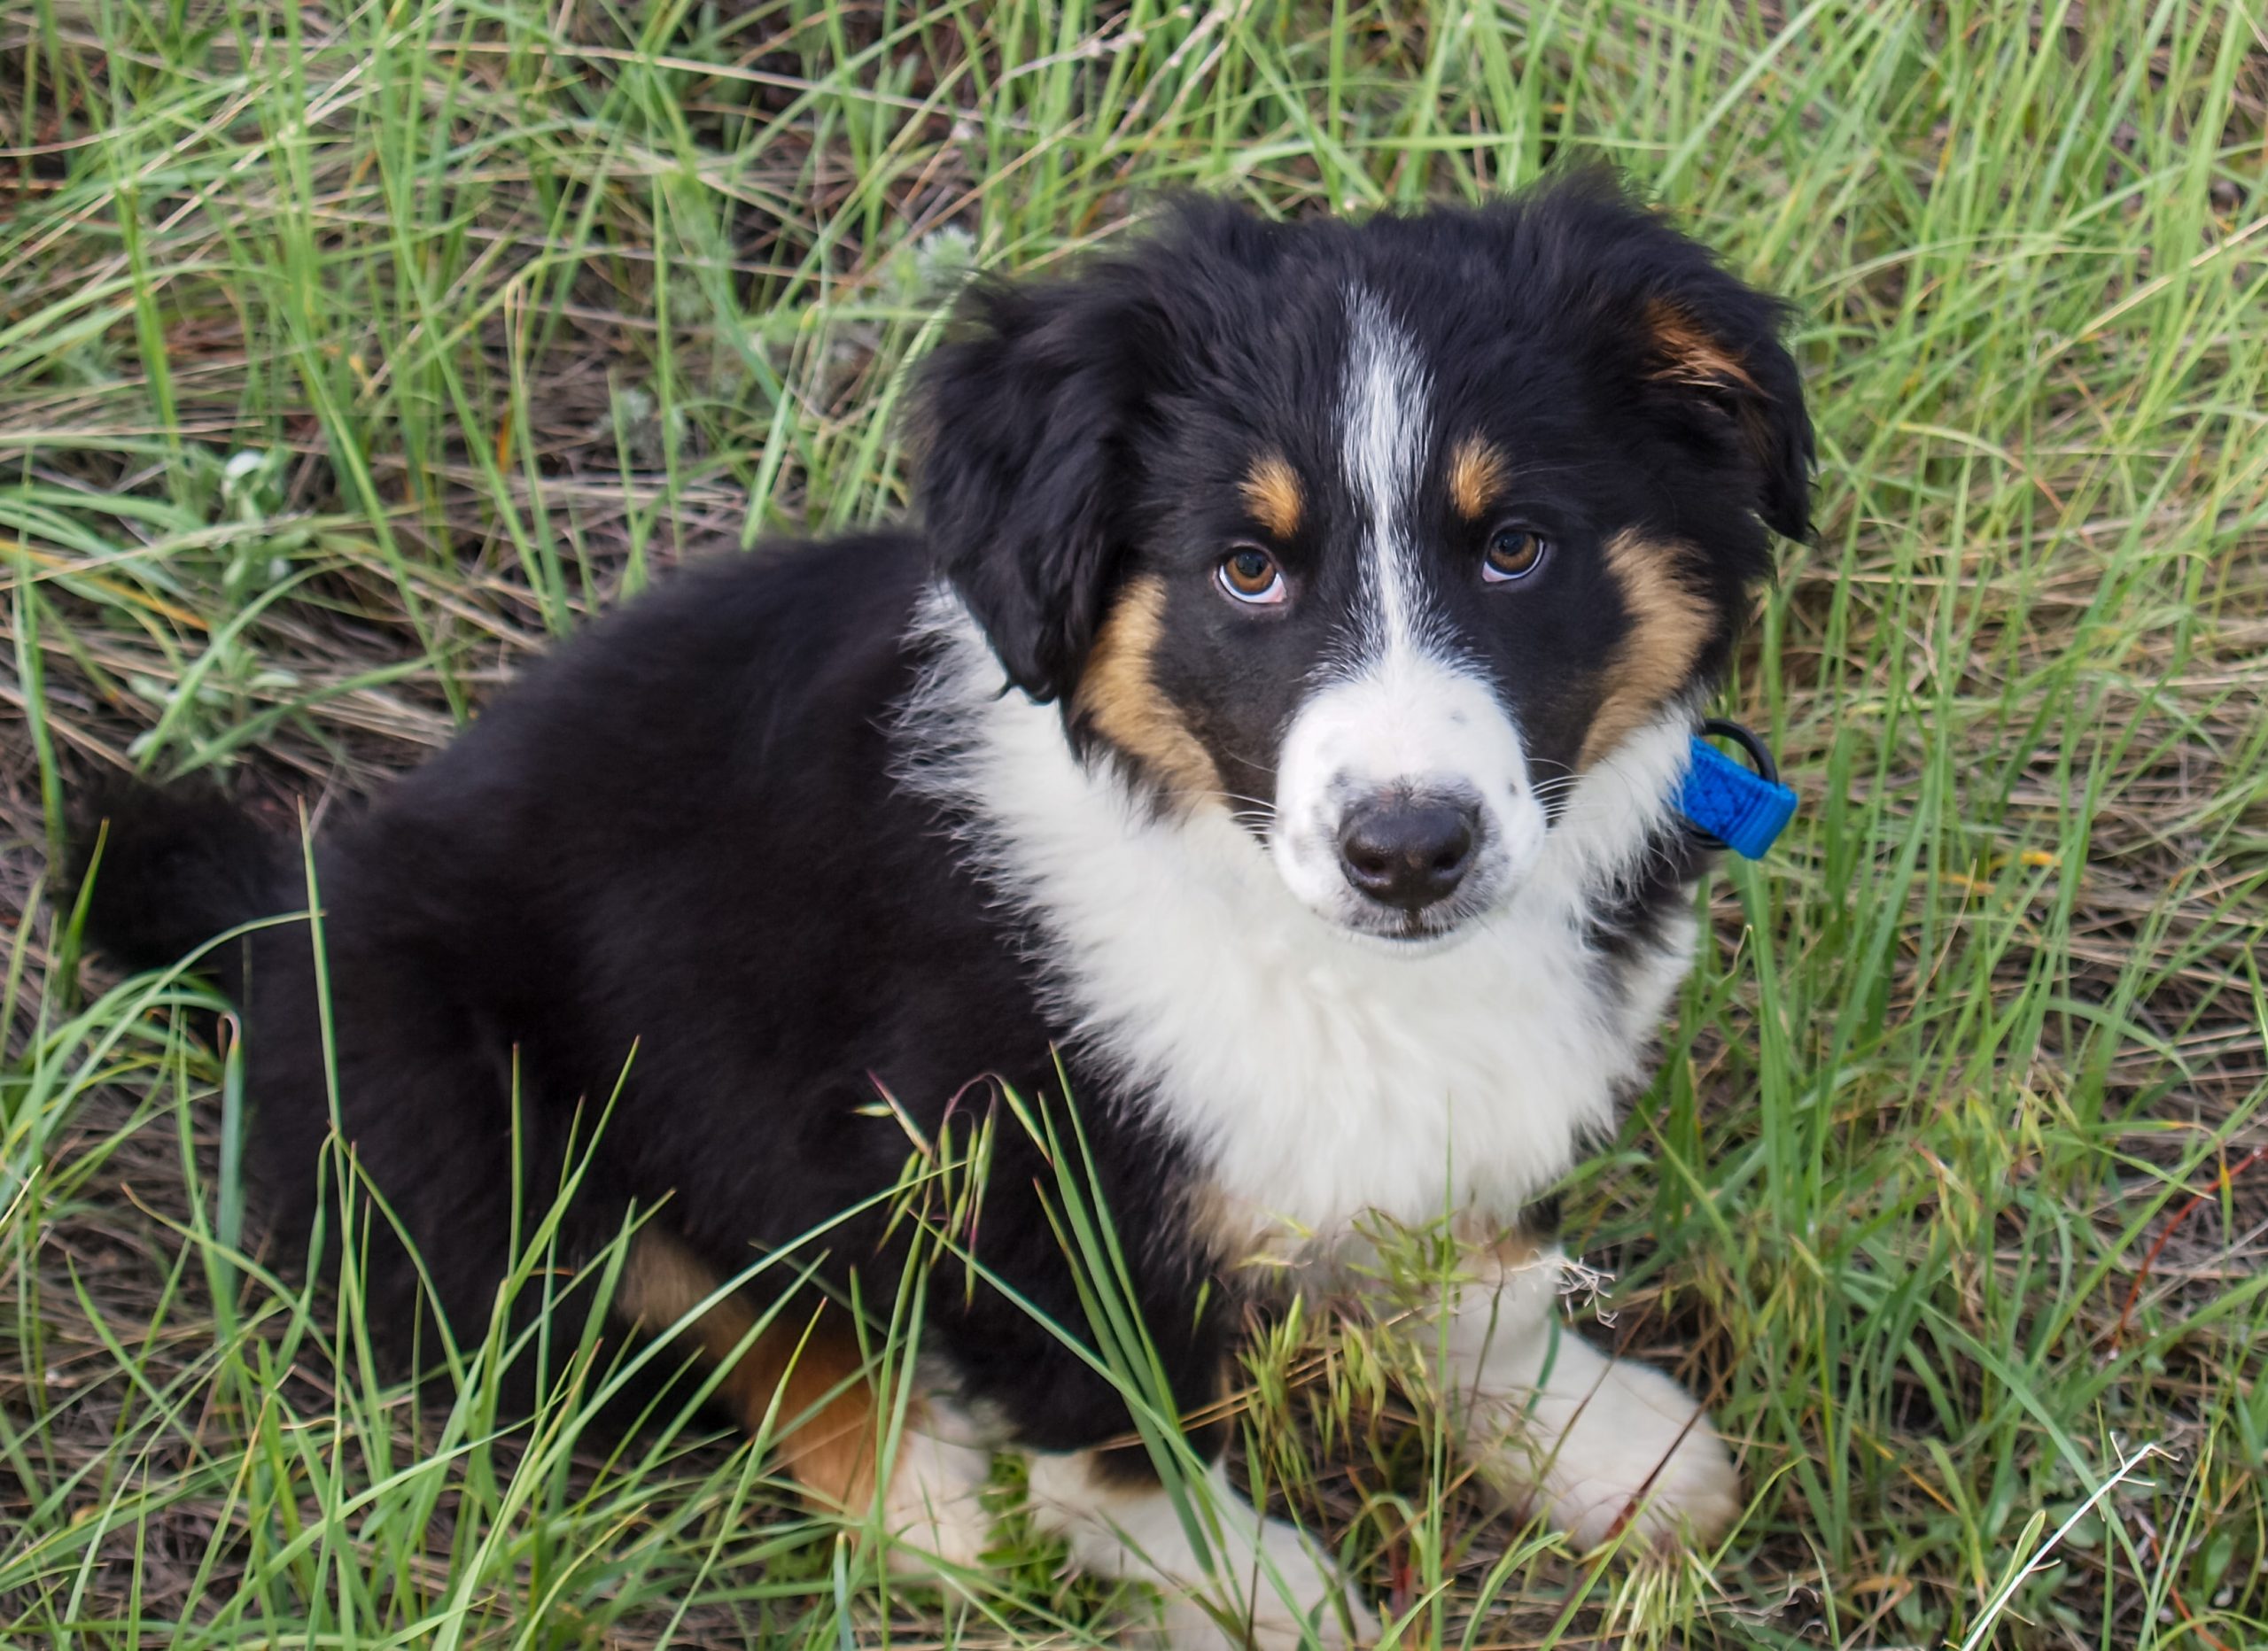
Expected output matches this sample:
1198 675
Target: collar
1729 805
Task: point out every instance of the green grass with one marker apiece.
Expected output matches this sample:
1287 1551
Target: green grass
350 354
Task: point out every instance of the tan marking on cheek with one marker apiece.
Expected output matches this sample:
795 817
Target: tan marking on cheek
1476 477
1689 355
803 1374
1118 697
1669 626
1272 492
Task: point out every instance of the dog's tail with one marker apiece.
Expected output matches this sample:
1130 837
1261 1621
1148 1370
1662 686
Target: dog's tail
165 871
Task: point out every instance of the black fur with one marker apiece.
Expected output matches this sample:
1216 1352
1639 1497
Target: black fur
746 957
672 867
179 869
1030 415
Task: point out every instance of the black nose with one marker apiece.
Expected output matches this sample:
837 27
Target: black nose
1407 853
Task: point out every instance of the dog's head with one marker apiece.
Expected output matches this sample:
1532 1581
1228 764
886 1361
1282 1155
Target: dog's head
1378 535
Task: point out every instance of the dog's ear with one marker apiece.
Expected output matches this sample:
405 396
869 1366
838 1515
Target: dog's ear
1026 413
1712 351
1704 346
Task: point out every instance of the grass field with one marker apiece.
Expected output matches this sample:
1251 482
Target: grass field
350 354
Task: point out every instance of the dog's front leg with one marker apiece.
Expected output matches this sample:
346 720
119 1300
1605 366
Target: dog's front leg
1597 1444
1258 1581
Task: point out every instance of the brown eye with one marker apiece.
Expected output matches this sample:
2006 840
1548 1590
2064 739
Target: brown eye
1250 575
1513 553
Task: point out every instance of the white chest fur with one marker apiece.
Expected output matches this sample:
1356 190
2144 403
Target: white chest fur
1319 1076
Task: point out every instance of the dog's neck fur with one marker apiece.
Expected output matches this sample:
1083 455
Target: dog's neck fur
1316 1076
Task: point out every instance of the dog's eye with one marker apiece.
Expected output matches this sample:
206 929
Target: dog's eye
1513 553
1250 575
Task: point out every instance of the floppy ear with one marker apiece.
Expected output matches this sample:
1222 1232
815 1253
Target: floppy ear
1715 355
1026 415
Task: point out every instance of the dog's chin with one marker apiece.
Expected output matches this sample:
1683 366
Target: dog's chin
1391 932
1411 945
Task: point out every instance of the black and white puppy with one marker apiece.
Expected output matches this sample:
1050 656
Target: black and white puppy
1277 713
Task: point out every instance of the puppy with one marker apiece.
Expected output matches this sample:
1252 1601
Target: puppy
1264 751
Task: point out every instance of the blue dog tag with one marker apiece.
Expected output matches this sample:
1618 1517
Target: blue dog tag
1741 809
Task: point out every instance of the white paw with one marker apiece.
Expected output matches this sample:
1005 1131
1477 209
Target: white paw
934 1510
1626 1450
1265 1587
1279 1595
1193 1625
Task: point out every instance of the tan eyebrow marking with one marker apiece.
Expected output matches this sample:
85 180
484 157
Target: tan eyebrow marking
1477 471
1271 489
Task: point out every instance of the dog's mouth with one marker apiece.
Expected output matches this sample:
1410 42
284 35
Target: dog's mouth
1412 933
1408 944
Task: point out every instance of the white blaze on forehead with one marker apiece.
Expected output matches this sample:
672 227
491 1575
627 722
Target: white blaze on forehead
1383 422
1402 711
